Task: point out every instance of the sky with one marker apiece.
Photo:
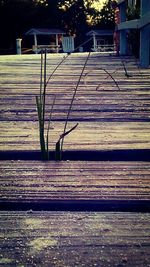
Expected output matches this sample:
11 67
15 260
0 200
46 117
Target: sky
98 5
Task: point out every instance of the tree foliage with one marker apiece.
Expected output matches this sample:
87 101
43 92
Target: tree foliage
15 17
74 16
105 17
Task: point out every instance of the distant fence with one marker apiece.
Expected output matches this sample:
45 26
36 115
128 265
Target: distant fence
103 48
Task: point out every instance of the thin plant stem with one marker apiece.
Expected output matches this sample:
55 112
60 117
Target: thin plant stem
83 43
40 102
48 128
45 84
68 132
58 151
125 69
64 58
109 74
73 97
42 140
41 77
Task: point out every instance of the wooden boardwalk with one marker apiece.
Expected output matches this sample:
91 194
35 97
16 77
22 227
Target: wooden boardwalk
81 213
66 239
108 117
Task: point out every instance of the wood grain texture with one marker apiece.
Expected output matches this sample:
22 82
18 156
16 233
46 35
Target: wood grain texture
74 239
20 79
35 181
108 118
96 136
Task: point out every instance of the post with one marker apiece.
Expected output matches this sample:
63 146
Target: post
57 48
122 8
145 37
116 35
35 43
123 36
145 47
18 46
123 42
94 43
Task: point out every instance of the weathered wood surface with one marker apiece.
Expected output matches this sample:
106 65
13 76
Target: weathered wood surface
74 239
20 78
109 119
116 118
36 181
16 135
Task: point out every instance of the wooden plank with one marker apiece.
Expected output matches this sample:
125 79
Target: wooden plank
24 135
25 70
35 181
74 239
103 106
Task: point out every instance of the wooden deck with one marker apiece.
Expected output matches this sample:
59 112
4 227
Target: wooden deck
74 239
88 136
84 212
108 117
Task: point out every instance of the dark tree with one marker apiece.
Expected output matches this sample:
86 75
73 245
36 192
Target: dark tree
15 18
18 16
74 18
50 14
105 17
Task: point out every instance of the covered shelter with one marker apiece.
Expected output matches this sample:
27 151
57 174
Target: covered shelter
51 39
102 40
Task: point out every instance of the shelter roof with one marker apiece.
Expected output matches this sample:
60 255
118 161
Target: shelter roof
44 31
100 32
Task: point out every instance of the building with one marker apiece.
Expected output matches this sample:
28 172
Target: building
142 24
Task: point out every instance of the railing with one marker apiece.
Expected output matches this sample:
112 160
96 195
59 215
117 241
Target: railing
48 48
103 48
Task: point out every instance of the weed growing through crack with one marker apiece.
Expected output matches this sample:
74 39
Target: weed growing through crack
41 110
125 69
58 149
72 100
40 104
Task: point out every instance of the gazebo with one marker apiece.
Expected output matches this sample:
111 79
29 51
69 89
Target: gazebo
102 40
54 41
